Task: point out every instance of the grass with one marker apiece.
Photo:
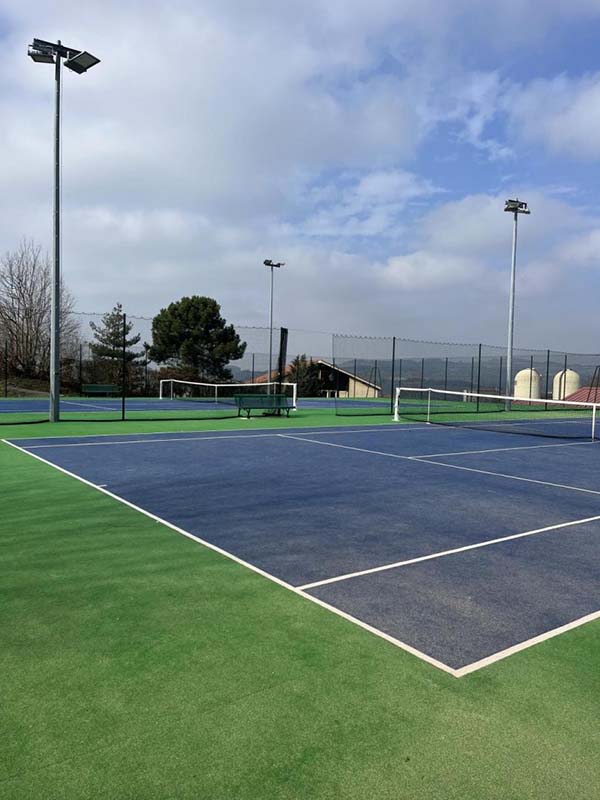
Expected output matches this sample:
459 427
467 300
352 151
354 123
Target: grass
138 664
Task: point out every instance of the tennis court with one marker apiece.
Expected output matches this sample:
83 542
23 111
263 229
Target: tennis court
459 545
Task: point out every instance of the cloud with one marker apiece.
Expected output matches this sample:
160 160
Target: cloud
361 143
562 113
367 205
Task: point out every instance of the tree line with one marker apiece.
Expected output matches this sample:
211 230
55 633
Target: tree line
190 338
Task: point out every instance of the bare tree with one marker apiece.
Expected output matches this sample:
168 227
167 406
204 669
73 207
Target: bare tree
25 300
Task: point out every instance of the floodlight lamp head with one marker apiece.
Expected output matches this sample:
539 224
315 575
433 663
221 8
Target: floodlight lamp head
80 62
41 56
267 262
516 206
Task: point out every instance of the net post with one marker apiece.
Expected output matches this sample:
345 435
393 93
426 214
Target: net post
594 408
397 405
393 370
428 405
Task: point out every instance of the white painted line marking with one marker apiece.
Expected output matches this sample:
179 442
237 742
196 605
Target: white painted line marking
147 441
408 648
516 648
423 460
506 449
426 460
90 405
314 428
444 553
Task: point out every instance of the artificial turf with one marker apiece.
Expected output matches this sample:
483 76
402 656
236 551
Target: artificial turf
138 664
70 426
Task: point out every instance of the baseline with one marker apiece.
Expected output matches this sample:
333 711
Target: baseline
317 601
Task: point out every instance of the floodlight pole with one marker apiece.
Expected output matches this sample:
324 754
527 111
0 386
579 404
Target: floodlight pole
268 263
55 320
78 61
516 207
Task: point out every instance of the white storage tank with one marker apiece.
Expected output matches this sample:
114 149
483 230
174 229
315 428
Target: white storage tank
527 384
565 383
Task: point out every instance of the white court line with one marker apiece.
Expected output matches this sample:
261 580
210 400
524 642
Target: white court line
149 441
199 437
456 673
443 553
425 460
524 645
505 449
408 648
91 405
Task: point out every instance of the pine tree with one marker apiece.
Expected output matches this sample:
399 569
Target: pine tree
194 337
306 374
107 350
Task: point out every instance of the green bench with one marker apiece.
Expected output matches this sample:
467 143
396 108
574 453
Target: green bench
268 403
103 389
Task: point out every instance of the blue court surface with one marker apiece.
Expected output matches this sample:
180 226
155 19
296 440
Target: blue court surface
461 546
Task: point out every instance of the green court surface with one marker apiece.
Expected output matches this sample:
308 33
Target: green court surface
136 663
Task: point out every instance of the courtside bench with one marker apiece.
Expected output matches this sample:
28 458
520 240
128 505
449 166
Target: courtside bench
99 389
268 403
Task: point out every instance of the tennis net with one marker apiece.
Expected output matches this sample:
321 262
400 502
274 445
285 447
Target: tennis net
534 417
217 394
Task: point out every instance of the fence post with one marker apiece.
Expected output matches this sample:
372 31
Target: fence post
146 348
422 372
530 375
478 375
500 378
5 368
124 367
252 367
547 377
446 375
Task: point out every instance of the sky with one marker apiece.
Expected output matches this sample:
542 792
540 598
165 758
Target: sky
368 145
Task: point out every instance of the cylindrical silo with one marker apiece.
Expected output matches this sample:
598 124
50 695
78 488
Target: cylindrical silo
565 383
527 384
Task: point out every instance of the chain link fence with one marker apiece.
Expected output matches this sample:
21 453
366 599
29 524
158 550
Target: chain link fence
358 368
